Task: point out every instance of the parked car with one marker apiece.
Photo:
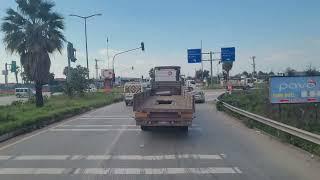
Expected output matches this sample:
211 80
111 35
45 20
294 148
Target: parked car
24 92
199 96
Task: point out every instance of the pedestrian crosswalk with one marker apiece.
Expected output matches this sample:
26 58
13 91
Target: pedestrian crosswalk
134 170
118 171
115 157
137 164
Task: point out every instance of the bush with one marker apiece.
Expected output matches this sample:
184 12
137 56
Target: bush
219 106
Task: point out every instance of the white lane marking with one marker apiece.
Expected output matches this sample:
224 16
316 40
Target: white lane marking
5 157
37 157
157 171
74 130
237 170
77 157
115 157
15 171
98 157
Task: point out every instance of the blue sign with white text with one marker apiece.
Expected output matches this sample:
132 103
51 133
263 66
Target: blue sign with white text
300 89
228 54
194 55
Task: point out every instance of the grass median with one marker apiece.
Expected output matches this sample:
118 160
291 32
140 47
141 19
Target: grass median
21 115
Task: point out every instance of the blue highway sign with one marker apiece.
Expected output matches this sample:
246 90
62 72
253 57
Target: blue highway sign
194 56
228 54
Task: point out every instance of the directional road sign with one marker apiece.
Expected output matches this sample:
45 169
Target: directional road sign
228 54
194 55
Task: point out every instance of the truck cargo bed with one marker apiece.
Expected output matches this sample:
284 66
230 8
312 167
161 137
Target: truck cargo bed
174 103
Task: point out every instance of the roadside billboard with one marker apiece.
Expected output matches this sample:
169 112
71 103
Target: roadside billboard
300 89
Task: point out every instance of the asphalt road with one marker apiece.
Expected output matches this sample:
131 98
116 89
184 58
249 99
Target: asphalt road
105 144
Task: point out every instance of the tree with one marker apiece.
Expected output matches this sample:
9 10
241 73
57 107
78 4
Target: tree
271 73
34 31
25 79
245 73
78 81
202 74
311 71
151 73
227 66
290 71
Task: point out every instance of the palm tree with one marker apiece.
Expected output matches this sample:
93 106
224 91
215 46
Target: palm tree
34 31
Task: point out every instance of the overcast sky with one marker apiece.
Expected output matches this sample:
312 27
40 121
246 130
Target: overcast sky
280 34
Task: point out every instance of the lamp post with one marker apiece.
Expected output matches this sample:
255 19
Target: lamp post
85 32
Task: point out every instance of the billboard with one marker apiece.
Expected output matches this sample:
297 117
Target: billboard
107 73
301 89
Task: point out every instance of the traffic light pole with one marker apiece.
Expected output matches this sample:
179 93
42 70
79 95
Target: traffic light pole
141 47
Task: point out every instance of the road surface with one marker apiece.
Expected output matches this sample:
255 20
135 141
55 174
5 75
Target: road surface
105 144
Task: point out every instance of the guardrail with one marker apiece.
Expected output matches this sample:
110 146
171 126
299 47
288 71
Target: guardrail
315 138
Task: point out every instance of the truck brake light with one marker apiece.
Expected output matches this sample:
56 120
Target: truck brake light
141 115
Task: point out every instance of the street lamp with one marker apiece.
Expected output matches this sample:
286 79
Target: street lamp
85 32
141 47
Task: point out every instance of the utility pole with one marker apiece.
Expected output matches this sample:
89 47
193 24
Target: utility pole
211 79
97 68
201 63
253 66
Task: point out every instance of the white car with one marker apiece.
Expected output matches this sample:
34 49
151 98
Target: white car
24 92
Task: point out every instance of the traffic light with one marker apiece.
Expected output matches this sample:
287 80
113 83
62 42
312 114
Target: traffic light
13 66
71 52
142 46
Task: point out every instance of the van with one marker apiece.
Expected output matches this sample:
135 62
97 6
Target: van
24 92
